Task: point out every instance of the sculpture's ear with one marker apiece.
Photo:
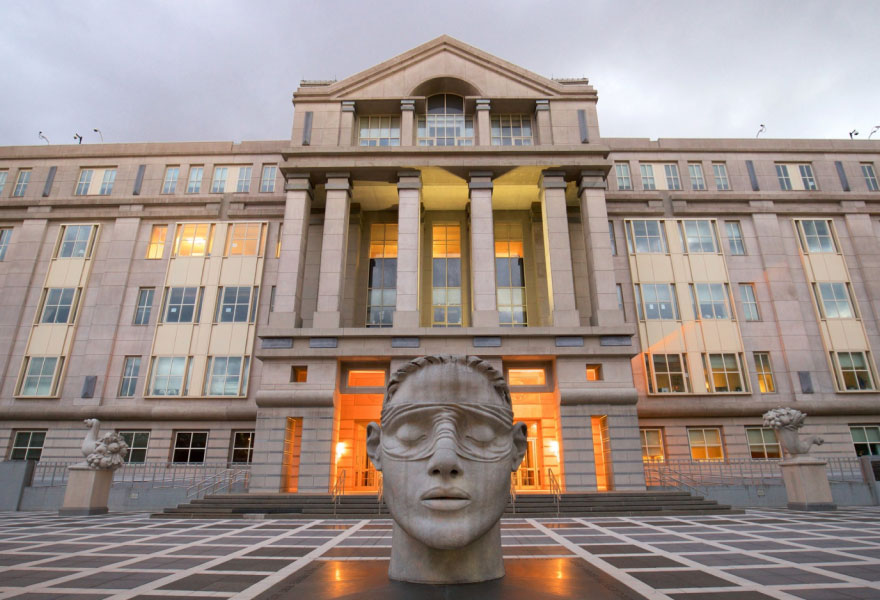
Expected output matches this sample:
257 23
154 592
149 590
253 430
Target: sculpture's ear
374 440
520 443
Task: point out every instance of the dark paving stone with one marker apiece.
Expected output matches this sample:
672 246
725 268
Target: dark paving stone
65 548
339 552
526 579
535 550
759 545
7 560
866 572
22 578
867 552
213 582
727 559
333 527
50 595
718 536
641 562
833 543
275 551
741 595
176 539
781 576
681 579
113 580
564 525
802 557
84 561
836 594
613 549
593 539
144 548
686 547
269 565
168 563
658 537
206 550
160 597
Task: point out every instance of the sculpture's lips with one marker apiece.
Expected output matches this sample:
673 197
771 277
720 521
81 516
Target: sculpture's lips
440 498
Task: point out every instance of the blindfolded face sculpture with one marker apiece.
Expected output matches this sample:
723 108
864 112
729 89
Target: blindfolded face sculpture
446 449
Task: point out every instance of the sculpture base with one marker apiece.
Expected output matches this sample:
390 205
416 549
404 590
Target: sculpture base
806 484
87 492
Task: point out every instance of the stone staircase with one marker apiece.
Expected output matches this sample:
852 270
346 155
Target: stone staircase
321 506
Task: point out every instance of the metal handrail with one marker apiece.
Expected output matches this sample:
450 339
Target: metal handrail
218 482
156 474
555 489
513 491
337 491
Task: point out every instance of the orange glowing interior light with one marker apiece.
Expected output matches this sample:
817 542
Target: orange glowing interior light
366 378
526 377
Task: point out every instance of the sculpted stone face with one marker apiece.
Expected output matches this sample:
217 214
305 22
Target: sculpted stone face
446 449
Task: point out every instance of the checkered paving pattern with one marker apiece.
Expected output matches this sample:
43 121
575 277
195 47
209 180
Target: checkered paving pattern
763 554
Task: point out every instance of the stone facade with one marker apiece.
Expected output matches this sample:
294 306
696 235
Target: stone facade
442 187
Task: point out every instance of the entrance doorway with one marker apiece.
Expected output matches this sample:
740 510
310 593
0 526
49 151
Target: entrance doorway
365 475
529 474
602 454
290 457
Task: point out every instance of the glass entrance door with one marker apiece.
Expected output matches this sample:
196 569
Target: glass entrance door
528 476
365 475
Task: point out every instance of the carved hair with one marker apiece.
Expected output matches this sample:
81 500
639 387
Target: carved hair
474 363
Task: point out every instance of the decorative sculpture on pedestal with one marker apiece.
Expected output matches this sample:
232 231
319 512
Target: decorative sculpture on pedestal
88 483
806 482
446 449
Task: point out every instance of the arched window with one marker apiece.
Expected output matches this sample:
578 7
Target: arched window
445 123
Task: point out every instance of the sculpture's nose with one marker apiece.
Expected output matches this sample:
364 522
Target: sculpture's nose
445 462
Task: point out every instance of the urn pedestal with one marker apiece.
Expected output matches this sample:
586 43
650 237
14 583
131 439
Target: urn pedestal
88 491
806 484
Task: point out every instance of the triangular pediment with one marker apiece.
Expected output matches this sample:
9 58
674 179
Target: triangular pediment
445 60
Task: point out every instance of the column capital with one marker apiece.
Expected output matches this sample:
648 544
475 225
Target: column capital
407 105
480 180
298 182
338 181
591 180
348 106
552 180
542 105
484 104
409 180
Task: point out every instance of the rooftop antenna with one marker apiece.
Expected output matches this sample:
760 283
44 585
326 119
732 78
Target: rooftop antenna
78 137
43 137
873 131
761 130
98 131
853 133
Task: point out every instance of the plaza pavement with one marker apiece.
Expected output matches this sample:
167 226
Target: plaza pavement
762 554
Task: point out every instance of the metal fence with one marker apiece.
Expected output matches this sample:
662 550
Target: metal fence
149 474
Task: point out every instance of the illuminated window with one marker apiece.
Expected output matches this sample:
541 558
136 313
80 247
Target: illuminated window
182 305
695 170
359 378
156 248
170 376
59 305
242 447
24 177
194 183
379 131
76 241
724 373
594 372
130 371
699 237
712 300
816 236
647 172
194 239
267 180
667 374
189 446
27 445
246 239
169 184
656 301
299 374
511 130
853 372
445 123
526 377
705 444
137 441
652 444
646 237
835 300
624 179
40 375
763 444
382 283
722 183
510 278
866 439
227 376
446 305
765 373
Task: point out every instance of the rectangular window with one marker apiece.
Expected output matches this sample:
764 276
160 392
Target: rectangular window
644 237
712 300
807 178
699 236
763 444
40 375
511 130
246 239
131 368
156 247
722 183
144 306
27 445
379 131
138 442
194 182
446 305
656 301
672 180
194 239
218 184
612 238
382 283
647 172
24 177
510 275
667 374
107 182
867 172
227 376
724 374
242 447
782 176
84 183
735 238
853 372
189 446
95 182
182 305
816 236
3 176
695 170
835 300
594 372
59 305
624 179
76 241
365 378
299 374
620 307
705 444
652 444
267 179
233 304
5 237
749 302
243 185
170 376
765 373
169 184
866 439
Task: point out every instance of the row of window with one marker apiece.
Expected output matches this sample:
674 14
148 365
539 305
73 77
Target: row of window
187 447
97 181
797 176
706 443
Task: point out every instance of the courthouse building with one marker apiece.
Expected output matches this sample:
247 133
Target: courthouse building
234 303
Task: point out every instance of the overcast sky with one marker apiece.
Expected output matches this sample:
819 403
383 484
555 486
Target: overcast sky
178 70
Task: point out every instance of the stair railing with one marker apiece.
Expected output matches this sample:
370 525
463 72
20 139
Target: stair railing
381 497
338 490
218 482
513 491
555 489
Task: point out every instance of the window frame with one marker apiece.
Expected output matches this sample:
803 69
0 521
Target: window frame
722 179
156 243
710 373
545 366
54 378
189 447
512 234
143 310
632 240
248 244
248 448
621 177
27 447
713 301
194 179
5 241
47 301
703 431
764 372
498 127
131 437
673 178
840 373
348 367
652 373
249 307
4 176
22 181
736 243
431 119
750 305
763 444
169 181
241 378
646 171
698 181
700 236
243 179
646 445
87 245
870 176
847 297
390 139
155 362
383 245
182 229
169 302
865 427
267 180
642 303
128 380
612 237
805 238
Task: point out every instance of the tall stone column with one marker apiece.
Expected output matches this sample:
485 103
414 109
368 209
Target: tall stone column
484 123
347 124
485 308
557 250
333 252
291 262
409 248
600 266
542 120
407 118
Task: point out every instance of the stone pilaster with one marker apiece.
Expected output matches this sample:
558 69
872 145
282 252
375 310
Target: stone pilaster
557 250
347 124
484 123
409 248
600 265
407 118
482 227
542 121
333 252
291 262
